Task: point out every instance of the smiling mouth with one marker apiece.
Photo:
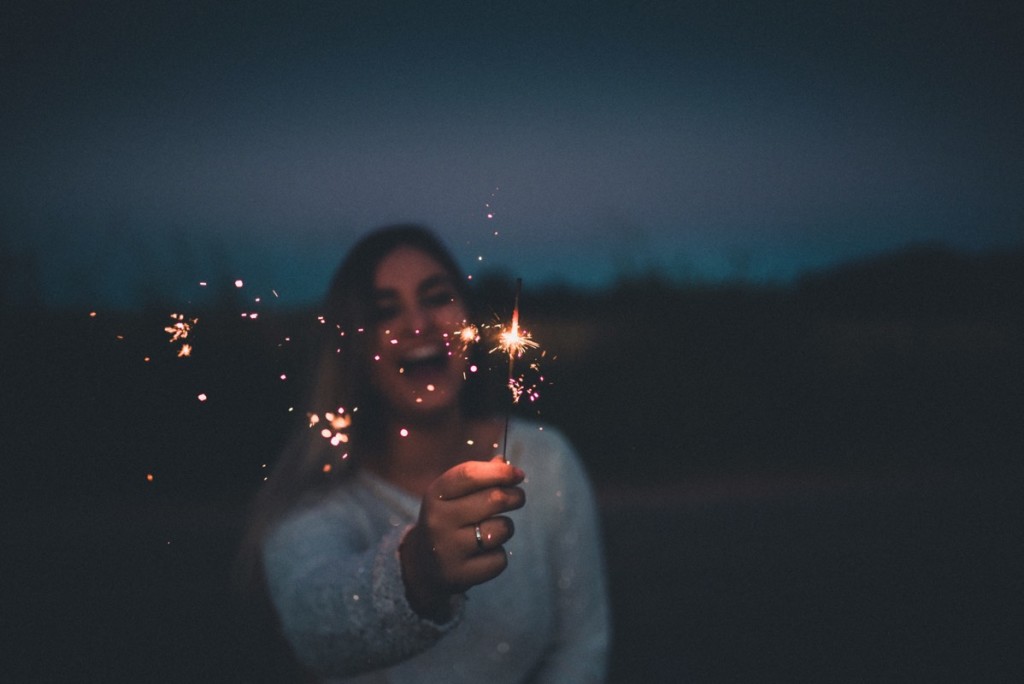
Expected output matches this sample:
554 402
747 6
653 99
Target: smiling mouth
424 361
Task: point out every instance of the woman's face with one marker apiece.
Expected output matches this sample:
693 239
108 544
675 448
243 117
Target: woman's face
417 311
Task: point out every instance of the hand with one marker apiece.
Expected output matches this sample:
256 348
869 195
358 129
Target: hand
440 555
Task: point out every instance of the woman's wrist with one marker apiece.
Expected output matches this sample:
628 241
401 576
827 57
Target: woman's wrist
424 596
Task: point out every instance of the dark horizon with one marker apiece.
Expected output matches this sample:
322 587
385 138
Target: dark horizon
25 282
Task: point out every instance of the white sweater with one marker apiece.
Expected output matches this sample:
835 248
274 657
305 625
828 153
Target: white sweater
333 573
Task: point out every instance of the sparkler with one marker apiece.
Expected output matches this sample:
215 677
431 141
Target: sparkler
514 342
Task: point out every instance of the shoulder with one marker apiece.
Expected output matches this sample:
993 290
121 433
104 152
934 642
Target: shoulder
524 432
545 453
319 518
533 443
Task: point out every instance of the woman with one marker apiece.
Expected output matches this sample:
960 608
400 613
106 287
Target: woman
406 548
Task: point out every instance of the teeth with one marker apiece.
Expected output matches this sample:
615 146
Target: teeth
422 353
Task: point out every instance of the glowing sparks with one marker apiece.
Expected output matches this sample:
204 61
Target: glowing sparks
338 421
463 339
514 341
202 396
179 330
335 424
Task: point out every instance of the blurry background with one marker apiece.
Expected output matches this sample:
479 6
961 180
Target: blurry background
773 253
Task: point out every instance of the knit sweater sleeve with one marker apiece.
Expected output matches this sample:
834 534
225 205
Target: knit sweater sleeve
341 601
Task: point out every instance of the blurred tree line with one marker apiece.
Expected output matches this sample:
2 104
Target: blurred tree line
905 361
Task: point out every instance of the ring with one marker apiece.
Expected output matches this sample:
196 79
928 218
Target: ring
479 538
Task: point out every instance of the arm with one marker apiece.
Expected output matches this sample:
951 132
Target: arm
342 603
350 601
441 556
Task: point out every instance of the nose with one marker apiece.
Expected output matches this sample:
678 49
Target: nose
414 321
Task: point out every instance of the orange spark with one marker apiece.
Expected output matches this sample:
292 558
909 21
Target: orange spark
336 423
515 341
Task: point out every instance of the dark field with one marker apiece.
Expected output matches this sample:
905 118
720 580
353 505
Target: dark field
913 580
715 581
817 483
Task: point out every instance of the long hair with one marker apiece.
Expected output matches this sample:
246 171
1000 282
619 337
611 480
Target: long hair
341 380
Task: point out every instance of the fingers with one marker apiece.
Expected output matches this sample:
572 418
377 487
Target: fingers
477 569
472 476
463 505
485 556
433 569
485 566
452 524
489 534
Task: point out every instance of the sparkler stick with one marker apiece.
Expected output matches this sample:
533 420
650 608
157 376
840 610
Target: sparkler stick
510 339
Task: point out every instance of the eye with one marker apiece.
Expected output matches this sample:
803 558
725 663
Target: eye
437 298
381 312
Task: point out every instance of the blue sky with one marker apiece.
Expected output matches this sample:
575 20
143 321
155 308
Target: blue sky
151 145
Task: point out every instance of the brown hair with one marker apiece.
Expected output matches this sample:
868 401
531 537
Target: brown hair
341 380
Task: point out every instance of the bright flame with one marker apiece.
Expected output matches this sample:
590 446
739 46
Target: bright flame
514 341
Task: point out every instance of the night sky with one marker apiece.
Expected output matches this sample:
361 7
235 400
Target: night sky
147 146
